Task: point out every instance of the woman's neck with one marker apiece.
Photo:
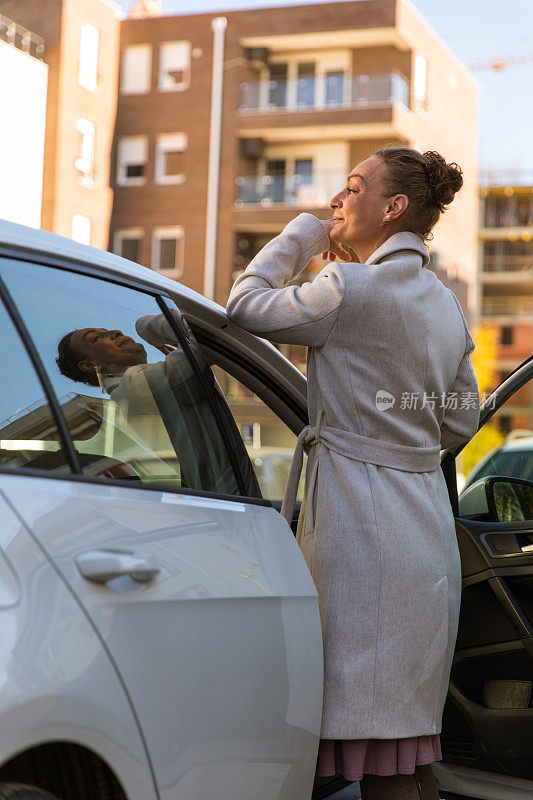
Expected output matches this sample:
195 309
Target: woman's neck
365 250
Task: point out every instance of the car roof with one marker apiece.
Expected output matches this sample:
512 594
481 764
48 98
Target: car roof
44 243
18 239
525 443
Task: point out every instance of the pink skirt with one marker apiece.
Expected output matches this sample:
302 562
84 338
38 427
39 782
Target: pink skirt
355 757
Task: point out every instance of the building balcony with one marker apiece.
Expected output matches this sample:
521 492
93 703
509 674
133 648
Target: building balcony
17 36
507 263
506 269
325 92
299 191
507 309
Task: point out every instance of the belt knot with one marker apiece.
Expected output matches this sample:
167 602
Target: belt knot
310 435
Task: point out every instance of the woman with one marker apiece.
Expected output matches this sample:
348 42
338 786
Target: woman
390 383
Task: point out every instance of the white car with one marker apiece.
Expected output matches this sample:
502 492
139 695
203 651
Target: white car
159 629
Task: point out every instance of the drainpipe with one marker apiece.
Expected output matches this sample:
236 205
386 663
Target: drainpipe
218 25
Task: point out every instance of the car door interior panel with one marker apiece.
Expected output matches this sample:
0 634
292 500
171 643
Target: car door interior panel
488 716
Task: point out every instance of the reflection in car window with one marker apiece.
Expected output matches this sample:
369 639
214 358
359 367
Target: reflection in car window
28 434
269 442
503 446
134 405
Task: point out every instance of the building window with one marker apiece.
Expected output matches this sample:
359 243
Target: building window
167 250
131 160
505 424
170 158
85 160
88 71
497 211
81 229
305 84
174 66
334 88
420 80
127 243
136 72
303 170
277 86
506 334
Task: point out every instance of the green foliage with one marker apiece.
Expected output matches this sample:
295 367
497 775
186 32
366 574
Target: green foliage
485 440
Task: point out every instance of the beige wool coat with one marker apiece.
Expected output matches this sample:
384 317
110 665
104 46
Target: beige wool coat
390 383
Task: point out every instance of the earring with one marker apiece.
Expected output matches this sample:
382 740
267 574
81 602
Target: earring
388 216
100 381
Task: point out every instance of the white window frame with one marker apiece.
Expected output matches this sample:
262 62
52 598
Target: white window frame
122 163
132 54
89 54
82 220
171 232
124 234
165 143
85 161
162 84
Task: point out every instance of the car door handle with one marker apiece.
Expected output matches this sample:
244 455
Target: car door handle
104 565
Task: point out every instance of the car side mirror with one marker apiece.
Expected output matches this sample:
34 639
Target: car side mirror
498 499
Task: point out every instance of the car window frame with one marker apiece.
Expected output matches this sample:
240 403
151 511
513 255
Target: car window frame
293 414
156 292
289 411
219 404
518 378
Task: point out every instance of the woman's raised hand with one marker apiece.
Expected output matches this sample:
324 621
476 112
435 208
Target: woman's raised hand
335 247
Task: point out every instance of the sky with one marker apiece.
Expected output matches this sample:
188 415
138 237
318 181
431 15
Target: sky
474 30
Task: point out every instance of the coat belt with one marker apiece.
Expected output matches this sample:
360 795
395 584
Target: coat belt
356 447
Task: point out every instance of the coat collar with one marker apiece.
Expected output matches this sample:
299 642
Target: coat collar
405 240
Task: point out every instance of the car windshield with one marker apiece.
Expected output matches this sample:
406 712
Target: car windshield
505 463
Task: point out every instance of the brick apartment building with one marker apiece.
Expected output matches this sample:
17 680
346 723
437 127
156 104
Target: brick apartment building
305 92
505 286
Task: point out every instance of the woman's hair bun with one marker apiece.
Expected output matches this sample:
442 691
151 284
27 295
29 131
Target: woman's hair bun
444 179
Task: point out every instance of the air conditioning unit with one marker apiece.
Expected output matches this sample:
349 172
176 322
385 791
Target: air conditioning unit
256 56
250 148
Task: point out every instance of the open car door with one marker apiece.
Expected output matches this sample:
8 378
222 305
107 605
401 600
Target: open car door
487 733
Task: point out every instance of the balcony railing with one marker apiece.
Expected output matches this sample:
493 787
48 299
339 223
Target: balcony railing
309 191
506 306
499 216
507 264
506 177
334 90
21 38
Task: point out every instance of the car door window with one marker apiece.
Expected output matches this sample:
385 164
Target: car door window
504 445
135 405
269 441
29 437
501 449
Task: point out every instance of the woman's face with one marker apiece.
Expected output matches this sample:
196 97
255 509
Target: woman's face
359 210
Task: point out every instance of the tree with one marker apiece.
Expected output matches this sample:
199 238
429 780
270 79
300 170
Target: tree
484 364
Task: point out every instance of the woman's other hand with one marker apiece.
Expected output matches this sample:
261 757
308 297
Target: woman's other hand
335 247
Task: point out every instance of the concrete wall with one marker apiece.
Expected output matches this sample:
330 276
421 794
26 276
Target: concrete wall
24 84
65 194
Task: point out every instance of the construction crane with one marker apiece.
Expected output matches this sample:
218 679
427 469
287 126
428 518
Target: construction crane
501 63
